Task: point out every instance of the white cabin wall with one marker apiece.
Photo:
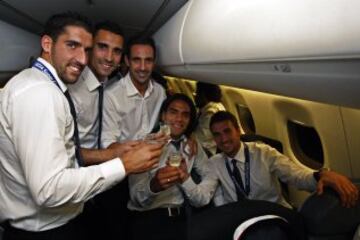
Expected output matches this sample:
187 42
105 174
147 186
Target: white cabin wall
271 112
351 121
17 47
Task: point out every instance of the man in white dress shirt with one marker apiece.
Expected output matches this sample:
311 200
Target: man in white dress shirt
42 187
161 198
87 94
247 176
131 105
260 167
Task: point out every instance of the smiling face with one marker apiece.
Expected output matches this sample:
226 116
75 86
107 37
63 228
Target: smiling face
69 53
177 116
141 62
106 53
226 136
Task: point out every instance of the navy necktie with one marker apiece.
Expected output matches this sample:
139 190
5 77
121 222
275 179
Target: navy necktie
76 131
237 177
100 112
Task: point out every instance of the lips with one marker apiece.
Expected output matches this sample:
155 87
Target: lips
107 65
143 74
76 68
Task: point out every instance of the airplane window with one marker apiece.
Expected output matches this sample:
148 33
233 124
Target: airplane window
306 144
246 119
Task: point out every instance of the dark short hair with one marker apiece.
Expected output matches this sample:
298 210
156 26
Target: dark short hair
224 116
212 92
142 40
109 26
182 97
57 23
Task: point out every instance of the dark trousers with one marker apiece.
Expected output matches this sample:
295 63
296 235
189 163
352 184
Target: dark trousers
221 222
157 224
69 231
107 216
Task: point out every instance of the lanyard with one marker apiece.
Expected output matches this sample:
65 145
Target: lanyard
38 65
244 190
42 68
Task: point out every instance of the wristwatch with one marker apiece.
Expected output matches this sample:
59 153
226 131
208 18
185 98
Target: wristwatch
317 174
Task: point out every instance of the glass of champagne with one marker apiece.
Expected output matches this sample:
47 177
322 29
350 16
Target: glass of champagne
150 138
175 159
165 128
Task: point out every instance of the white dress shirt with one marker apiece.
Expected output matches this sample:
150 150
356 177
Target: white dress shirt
127 114
85 96
266 166
202 131
142 198
41 185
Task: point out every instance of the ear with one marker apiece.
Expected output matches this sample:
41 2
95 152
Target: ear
46 43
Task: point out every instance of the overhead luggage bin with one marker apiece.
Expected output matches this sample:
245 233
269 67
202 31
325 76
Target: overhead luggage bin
304 49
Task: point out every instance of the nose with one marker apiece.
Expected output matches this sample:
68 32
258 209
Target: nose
82 57
223 138
109 56
142 65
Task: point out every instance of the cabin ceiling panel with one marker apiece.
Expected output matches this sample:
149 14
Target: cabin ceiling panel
133 15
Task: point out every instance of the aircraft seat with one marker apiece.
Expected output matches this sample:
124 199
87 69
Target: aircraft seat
325 218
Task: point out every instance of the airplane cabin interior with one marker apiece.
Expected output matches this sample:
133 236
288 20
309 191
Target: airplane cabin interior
288 70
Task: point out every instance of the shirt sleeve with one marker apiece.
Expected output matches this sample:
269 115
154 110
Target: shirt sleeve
140 192
201 194
287 170
42 129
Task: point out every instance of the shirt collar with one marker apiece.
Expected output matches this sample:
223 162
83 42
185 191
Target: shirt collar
132 90
239 156
185 148
54 73
91 81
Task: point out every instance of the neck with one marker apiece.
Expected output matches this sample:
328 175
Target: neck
233 154
99 78
141 87
46 57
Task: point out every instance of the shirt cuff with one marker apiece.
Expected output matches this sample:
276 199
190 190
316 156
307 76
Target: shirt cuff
113 172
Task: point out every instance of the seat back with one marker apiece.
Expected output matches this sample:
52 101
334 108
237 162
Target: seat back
325 218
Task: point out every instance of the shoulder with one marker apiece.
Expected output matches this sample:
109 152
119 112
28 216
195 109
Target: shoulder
116 88
217 158
30 82
158 88
213 107
257 146
30 88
